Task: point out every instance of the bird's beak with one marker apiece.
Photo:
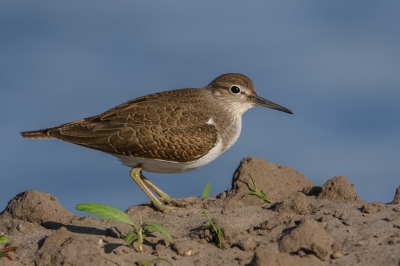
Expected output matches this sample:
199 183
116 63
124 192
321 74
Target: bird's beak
258 101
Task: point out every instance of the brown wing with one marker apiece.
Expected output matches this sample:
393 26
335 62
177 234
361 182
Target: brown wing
169 109
154 126
172 144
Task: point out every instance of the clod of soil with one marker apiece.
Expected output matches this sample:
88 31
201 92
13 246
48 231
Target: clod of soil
297 203
396 199
338 189
308 238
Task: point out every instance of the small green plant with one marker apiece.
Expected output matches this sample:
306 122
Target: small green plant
148 263
4 251
256 192
3 239
217 230
139 232
206 191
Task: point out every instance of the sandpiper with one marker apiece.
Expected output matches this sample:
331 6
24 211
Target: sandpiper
167 132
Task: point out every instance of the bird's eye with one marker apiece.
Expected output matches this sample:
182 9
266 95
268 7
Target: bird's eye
235 89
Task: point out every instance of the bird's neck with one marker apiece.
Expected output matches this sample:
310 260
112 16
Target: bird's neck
229 126
227 118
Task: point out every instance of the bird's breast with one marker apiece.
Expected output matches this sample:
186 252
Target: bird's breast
228 130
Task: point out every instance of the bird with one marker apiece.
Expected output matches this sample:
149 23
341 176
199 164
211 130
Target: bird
172 131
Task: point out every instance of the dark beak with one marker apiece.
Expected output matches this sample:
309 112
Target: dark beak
258 101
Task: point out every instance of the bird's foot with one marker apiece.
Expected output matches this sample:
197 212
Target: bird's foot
163 208
181 202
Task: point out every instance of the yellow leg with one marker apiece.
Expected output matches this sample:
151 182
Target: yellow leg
144 184
166 198
163 196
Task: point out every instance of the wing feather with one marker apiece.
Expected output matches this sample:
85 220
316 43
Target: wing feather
156 126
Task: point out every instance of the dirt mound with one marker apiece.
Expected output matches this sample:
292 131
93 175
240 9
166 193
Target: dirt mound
308 237
278 182
339 189
304 225
36 207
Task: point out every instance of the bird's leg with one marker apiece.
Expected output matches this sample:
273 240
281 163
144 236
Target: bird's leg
163 196
168 199
136 174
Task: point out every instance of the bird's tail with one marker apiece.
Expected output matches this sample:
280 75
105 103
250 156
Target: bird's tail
36 134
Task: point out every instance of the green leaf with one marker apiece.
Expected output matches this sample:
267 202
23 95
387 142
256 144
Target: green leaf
206 191
3 239
2 254
130 238
216 228
148 263
256 192
106 212
208 217
155 227
220 234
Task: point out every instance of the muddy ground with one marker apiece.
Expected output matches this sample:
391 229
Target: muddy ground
305 225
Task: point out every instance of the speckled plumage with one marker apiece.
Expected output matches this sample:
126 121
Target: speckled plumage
171 131
157 126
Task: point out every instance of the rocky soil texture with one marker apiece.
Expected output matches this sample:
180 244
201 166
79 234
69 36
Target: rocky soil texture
305 225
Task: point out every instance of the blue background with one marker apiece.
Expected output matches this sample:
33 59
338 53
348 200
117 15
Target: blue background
335 64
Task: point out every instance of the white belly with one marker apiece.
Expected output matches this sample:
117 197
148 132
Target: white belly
160 166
